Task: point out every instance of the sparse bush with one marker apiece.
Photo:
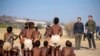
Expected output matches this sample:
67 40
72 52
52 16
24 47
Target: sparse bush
3 25
40 26
69 28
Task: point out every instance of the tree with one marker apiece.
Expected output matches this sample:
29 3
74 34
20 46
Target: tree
40 26
69 28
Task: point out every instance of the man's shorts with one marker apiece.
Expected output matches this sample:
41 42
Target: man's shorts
55 40
28 44
7 46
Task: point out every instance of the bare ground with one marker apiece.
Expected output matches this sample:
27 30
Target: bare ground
84 44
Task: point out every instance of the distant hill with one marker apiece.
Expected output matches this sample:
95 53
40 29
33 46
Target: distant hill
18 22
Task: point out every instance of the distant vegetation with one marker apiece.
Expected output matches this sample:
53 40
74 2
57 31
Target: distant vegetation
9 21
3 25
69 28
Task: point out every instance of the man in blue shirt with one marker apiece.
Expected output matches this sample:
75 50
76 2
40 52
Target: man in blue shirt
78 30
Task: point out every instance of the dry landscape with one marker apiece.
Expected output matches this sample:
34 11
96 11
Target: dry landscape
83 52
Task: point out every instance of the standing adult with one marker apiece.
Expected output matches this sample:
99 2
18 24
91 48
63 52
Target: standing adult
26 38
56 31
91 27
78 30
55 38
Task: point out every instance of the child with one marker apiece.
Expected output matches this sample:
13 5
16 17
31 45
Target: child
36 50
68 50
48 33
37 35
9 40
9 36
44 50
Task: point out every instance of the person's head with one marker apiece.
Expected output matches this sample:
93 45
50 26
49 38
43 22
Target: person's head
37 43
45 43
78 19
29 24
9 29
68 43
56 20
25 27
48 27
90 17
36 28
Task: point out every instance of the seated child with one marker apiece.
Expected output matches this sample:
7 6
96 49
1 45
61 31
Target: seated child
45 49
36 50
68 50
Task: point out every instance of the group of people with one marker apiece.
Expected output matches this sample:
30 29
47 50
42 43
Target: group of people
30 39
90 29
30 42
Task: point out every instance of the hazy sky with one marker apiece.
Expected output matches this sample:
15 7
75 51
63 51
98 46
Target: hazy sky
66 10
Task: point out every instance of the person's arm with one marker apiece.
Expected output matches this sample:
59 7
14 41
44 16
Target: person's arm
82 28
40 35
16 36
45 34
61 31
94 26
74 28
72 52
62 52
86 25
4 37
20 35
47 53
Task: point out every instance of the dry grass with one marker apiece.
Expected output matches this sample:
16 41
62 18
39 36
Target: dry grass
82 52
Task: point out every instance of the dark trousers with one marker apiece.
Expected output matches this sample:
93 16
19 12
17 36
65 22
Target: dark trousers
85 35
78 38
91 40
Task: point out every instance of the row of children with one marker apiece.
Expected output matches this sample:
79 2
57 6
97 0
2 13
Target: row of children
42 51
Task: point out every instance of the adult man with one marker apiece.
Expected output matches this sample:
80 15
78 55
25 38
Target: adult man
91 26
56 34
78 31
56 28
27 38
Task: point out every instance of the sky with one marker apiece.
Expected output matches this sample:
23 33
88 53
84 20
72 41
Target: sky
46 10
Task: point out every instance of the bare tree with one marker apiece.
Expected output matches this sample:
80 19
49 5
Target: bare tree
69 28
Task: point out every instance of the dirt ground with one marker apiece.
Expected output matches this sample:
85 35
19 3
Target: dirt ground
84 44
